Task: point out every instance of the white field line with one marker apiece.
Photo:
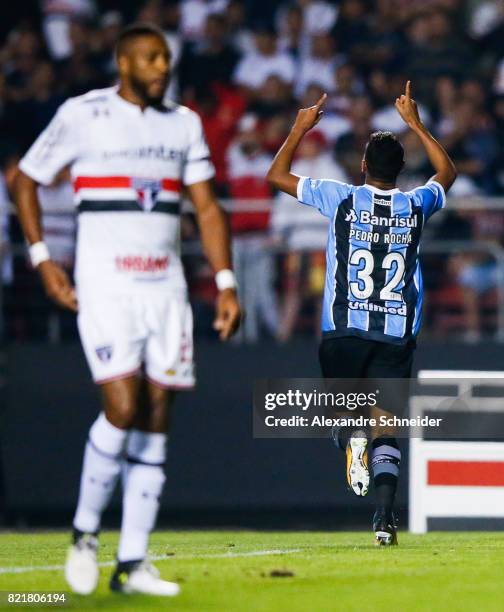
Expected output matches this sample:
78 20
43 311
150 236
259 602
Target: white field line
229 555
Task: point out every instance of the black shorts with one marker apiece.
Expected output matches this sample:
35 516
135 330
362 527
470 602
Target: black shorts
368 363
353 357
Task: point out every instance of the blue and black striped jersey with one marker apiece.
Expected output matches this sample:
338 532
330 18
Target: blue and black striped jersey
373 286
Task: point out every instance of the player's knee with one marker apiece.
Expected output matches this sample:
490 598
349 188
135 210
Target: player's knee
121 413
121 402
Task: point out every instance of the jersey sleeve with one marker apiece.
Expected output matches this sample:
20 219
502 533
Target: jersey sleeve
431 197
55 148
198 164
324 194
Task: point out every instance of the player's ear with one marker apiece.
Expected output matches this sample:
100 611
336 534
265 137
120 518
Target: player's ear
122 64
363 166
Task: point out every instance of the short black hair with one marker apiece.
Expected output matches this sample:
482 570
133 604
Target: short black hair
134 31
384 156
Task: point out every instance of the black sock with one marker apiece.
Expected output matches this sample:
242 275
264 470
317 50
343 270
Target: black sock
127 566
385 492
77 534
385 461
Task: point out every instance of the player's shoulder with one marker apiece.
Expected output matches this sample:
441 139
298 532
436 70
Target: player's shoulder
431 187
183 113
332 188
430 197
93 98
413 191
329 182
328 188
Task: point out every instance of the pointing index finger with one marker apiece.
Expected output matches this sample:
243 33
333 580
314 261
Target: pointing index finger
408 89
321 101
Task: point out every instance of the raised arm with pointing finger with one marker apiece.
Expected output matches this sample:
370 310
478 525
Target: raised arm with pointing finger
279 175
446 172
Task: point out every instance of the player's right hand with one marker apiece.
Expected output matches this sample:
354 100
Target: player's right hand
228 315
57 285
307 118
407 108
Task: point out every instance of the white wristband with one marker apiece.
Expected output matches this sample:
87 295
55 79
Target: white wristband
38 253
225 279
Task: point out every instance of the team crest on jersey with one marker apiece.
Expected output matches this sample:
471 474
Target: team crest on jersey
147 192
104 353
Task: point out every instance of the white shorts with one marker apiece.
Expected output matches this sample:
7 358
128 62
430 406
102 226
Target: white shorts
122 333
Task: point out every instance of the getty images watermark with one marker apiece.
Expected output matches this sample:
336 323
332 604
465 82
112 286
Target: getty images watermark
436 409
350 401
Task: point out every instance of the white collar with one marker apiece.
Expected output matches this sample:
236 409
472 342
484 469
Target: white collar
381 191
130 106
136 108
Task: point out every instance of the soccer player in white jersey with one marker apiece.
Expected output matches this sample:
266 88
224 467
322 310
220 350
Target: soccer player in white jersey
373 292
130 155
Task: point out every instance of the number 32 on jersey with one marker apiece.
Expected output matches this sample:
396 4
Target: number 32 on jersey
364 286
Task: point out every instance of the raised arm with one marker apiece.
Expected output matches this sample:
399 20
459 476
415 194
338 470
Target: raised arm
446 173
279 175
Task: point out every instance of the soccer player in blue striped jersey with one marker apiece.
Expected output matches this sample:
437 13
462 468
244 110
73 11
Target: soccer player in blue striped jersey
373 290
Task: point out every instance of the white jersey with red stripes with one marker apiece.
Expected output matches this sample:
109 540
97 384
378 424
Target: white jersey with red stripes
128 167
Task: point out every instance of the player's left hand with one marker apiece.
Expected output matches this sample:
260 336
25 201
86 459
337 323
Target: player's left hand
228 314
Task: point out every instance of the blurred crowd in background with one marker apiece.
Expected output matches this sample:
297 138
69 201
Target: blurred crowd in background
246 67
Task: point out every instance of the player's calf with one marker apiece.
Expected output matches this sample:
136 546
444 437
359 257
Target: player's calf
103 458
101 467
144 477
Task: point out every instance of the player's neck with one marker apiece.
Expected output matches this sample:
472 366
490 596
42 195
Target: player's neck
128 94
383 185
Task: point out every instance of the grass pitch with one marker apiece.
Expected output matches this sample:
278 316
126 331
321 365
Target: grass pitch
262 571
